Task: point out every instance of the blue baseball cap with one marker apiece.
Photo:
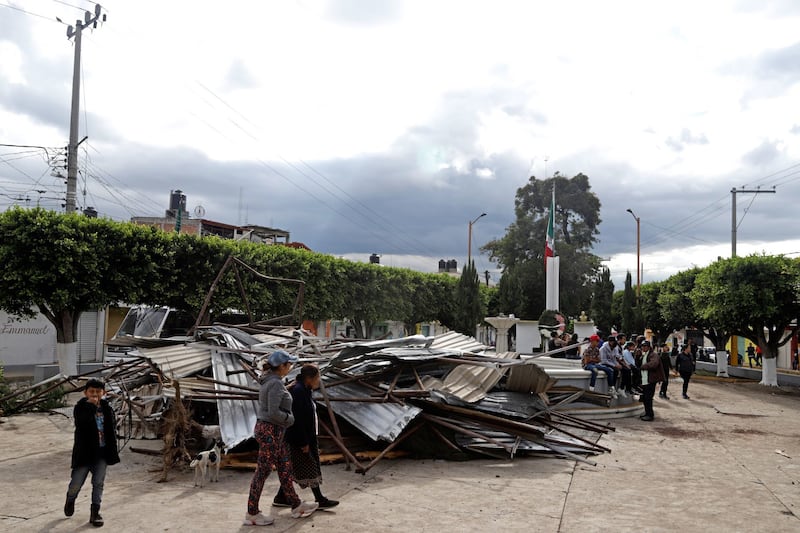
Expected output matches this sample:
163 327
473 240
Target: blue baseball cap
279 357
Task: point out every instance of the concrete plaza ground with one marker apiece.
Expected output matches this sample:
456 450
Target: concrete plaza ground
707 464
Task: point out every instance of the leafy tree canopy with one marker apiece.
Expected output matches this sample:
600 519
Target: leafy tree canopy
521 251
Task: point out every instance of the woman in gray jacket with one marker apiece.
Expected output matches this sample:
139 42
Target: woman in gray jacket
274 416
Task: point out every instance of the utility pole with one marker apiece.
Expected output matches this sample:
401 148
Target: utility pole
734 226
638 255
469 238
72 149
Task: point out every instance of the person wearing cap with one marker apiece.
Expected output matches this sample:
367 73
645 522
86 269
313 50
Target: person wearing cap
652 373
610 363
274 415
591 362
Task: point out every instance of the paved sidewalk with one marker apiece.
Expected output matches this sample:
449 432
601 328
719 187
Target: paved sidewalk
707 464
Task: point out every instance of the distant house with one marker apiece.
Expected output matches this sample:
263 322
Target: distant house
177 214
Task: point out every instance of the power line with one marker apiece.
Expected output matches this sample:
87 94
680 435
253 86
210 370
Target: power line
718 207
51 19
395 234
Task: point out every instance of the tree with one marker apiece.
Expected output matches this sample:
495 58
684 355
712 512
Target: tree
755 297
602 297
64 265
628 307
468 302
521 251
678 310
649 312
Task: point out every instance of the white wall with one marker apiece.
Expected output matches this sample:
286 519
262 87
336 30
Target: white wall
27 343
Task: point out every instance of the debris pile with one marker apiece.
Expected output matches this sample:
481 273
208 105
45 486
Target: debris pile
444 396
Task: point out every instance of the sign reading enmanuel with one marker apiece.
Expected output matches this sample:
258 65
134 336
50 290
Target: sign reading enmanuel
13 328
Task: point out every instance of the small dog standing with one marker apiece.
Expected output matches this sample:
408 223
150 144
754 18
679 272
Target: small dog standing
207 461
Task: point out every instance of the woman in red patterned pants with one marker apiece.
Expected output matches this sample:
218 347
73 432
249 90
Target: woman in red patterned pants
274 416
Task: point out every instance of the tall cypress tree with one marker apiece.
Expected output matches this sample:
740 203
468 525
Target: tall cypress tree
468 301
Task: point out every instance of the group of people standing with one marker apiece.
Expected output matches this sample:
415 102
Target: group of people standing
635 367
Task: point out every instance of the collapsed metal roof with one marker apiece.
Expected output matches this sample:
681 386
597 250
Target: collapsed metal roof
378 421
180 361
237 418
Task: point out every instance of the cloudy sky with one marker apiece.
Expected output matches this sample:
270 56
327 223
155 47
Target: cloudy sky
385 126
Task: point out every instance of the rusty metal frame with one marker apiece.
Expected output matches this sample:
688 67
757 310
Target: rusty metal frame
235 263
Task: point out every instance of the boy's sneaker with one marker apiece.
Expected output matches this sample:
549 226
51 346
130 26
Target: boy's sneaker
591 389
325 503
69 508
280 501
304 509
622 394
257 520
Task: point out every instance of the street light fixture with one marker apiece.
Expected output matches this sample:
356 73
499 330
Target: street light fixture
638 255
469 244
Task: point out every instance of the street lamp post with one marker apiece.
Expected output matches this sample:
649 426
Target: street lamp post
469 243
638 255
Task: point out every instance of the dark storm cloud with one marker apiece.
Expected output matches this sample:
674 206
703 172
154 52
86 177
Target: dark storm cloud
358 12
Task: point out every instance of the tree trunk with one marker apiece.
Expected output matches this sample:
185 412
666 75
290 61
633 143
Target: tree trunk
67 356
769 372
66 324
358 327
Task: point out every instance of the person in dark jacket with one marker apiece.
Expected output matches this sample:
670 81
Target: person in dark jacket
684 364
302 439
574 347
652 373
95 447
666 363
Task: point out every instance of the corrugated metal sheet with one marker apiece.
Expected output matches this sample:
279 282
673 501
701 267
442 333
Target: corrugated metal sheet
237 418
453 340
529 378
379 421
182 360
469 382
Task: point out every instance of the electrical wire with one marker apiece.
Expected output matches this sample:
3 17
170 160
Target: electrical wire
51 19
395 233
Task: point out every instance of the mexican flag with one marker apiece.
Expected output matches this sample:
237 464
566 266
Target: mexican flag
550 242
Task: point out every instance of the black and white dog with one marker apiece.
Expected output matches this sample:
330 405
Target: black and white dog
207 461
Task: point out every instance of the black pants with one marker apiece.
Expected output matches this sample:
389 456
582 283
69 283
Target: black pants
626 379
665 383
686 377
648 391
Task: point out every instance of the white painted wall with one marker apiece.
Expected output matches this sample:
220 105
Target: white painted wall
28 343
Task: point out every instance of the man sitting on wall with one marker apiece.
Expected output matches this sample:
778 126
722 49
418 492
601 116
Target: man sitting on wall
591 362
609 359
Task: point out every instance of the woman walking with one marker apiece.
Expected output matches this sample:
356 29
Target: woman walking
274 416
302 439
684 364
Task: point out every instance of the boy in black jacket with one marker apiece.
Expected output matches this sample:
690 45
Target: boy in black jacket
95 447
